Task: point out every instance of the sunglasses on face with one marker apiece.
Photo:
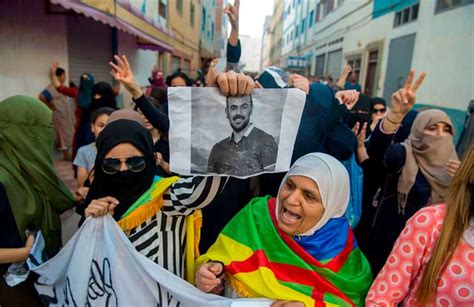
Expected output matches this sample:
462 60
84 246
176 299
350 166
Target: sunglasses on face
134 164
379 110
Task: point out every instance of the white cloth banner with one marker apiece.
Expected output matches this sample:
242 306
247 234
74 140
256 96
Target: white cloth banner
100 267
211 134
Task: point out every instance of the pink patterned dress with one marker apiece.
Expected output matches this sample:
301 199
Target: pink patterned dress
401 275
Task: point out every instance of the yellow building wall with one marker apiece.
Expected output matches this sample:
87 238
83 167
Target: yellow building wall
186 36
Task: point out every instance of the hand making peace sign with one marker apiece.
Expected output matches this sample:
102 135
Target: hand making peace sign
123 74
404 99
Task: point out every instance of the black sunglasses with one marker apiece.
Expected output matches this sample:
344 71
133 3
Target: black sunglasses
112 166
379 110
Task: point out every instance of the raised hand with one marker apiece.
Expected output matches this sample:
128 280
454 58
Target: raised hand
232 12
347 69
348 98
299 82
404 99
235 84
123 74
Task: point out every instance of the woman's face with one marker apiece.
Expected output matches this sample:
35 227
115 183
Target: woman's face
99 124
439 129
301 206
178 81
122 152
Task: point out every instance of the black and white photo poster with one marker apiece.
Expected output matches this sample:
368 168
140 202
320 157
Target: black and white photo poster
234 136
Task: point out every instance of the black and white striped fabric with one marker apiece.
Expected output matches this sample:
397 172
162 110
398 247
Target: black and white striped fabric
162 237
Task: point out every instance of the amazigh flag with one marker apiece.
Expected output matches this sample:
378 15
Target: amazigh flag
262 261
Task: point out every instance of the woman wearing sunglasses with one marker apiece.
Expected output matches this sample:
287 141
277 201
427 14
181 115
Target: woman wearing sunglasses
151 210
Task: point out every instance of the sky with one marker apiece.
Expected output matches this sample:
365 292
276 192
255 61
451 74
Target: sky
252 16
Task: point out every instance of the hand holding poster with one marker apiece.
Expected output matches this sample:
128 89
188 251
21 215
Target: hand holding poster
235 136
100 267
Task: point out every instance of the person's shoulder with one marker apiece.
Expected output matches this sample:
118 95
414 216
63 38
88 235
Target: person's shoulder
221 144
262 136
429 216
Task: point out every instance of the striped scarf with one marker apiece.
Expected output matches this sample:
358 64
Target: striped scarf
148 205
262 261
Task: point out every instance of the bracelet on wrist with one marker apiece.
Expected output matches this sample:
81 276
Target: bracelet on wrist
395 123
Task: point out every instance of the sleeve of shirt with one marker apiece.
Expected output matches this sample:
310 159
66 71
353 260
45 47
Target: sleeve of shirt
47 95
192 193
385 154
233 56
396 279
156 118
80 159
68 91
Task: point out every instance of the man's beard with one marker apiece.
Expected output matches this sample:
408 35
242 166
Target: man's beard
242 126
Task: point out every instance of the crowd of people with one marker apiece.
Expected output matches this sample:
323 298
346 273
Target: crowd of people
407 240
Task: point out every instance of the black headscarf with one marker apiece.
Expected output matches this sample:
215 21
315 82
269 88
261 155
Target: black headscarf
361 112
126 186
107 98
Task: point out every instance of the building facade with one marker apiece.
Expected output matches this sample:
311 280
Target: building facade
266 43
184 18
81 36
382 41
207 48
276 35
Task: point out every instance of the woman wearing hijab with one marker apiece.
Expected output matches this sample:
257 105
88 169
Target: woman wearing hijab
103 95
31 194
420 168
151 210
297 247
432 261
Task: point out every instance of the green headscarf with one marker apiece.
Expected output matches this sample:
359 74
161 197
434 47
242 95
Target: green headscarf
35 193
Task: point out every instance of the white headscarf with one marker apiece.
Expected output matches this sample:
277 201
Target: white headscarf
332 179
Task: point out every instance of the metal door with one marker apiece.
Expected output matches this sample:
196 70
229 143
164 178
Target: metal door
400 55
334 64
89 49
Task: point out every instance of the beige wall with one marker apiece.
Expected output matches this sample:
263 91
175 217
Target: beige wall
186 37
30 41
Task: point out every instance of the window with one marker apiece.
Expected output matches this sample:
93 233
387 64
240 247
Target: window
212 31
162 9
444 5
311 16
191 14
179 7
320 62
302 25
406 15
296 32
203 20
355 64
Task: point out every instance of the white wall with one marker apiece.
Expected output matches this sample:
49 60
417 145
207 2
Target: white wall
29 42
251 48
444 49
141 61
